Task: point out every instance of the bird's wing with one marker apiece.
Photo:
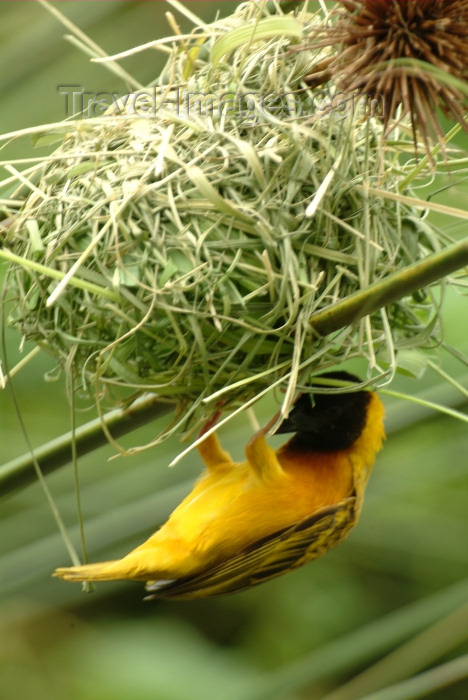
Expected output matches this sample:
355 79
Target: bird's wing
271 556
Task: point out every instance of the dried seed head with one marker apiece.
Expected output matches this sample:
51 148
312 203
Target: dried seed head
369 35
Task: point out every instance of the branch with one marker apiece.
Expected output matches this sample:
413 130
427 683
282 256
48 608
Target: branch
381 293
56 453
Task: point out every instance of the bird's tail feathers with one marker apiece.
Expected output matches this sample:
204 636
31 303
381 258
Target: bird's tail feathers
102 571
121 569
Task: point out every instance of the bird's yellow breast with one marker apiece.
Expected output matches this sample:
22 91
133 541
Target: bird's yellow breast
232 507
235 505
225 512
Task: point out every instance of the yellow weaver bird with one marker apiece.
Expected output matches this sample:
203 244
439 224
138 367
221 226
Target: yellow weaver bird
244 523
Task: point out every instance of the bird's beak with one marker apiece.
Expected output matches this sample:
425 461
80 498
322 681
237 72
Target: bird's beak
287 426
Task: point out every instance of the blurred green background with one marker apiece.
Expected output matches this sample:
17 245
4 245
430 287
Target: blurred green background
402 571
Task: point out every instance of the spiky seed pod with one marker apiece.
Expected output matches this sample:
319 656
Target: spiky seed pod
369 35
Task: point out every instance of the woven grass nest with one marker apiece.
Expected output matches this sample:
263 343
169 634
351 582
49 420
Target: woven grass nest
199 241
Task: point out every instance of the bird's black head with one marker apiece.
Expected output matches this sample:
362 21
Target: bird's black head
333 423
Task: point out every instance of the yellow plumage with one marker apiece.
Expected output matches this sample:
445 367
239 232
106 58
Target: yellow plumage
255 519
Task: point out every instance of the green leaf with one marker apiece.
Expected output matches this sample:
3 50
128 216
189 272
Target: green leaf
265 29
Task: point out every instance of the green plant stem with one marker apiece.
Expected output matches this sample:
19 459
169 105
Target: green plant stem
58 275
424 684
58 452
410 658
360 646
384 292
